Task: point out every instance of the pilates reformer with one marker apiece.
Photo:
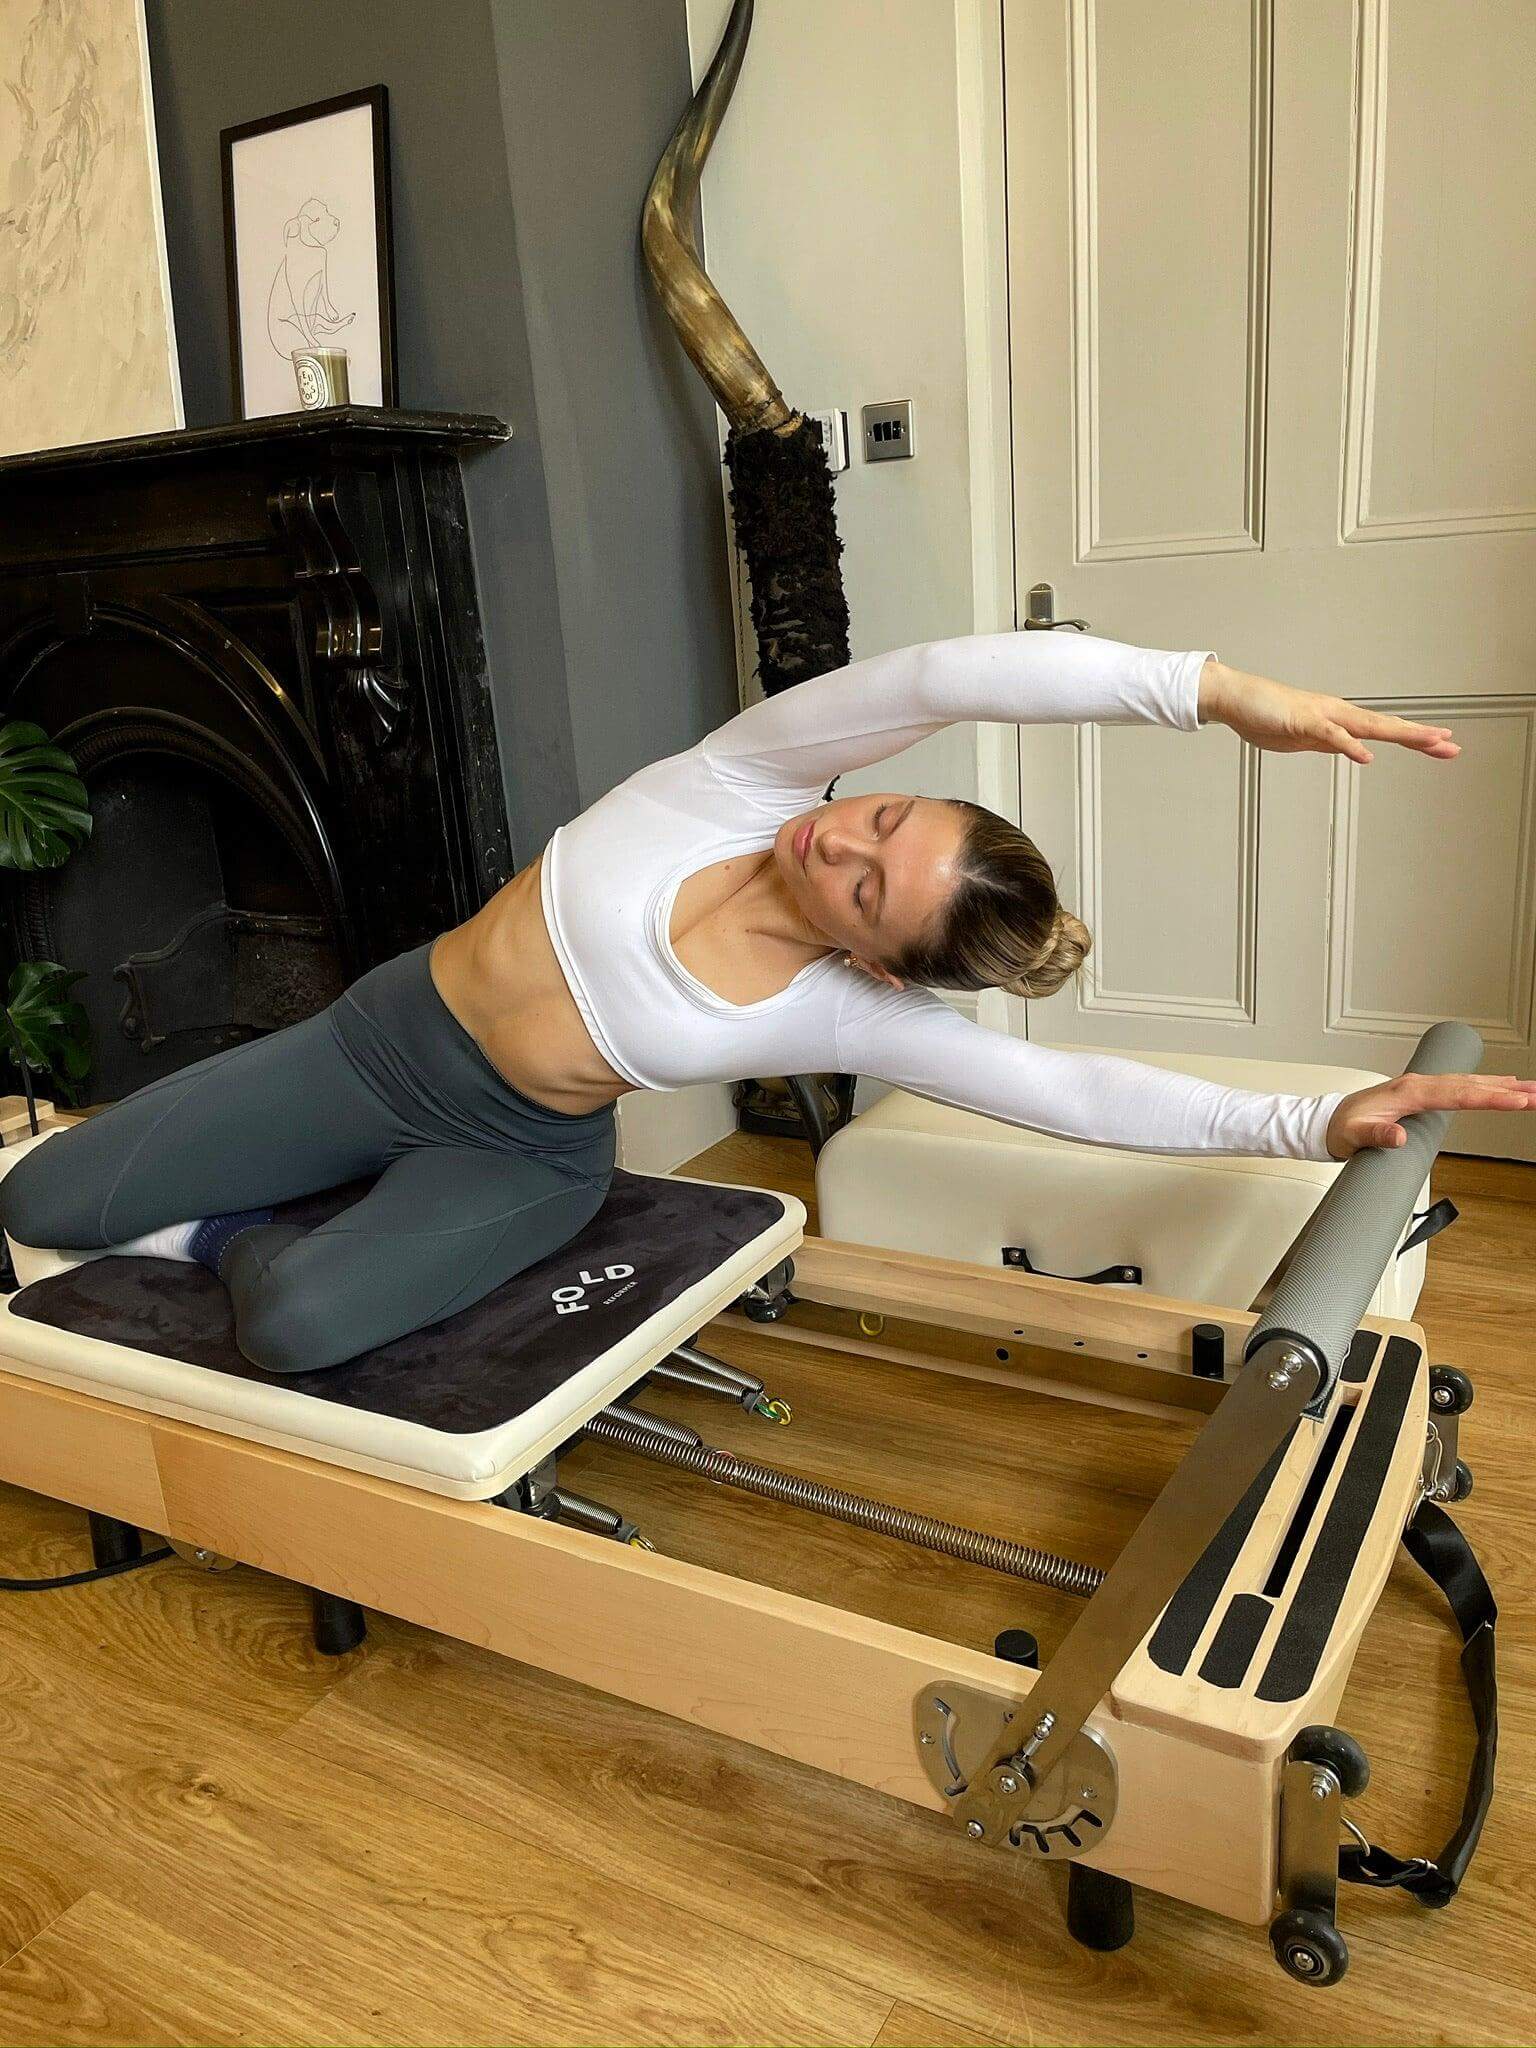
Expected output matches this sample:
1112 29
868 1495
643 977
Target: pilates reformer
1180 1738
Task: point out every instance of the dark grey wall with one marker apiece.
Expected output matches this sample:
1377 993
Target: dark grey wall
590 93
521 143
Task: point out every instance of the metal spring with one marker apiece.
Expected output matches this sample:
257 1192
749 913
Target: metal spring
669 1443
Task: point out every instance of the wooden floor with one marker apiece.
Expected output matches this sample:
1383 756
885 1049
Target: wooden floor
213 1834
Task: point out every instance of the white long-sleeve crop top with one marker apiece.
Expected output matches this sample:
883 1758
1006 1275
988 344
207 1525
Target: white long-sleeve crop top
610 878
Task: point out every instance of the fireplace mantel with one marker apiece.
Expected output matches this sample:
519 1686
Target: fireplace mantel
290 604
347 426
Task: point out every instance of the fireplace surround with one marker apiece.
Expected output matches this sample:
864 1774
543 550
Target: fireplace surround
262 645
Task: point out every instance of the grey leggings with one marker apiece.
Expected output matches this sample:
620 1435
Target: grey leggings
475 1182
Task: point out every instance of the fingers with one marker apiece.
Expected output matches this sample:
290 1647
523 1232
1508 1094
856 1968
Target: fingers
1339 740
1433 740
1463 1091
1375 1124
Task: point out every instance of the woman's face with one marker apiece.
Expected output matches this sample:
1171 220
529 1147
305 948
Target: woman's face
872 872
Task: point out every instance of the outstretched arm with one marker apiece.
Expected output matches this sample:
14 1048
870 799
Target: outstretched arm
917 1042
871 709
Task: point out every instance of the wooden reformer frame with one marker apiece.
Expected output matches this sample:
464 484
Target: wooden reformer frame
1251 1622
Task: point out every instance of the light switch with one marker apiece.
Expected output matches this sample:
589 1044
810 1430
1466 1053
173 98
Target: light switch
888 430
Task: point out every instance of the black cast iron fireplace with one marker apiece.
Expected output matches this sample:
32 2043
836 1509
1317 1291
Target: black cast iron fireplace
261 643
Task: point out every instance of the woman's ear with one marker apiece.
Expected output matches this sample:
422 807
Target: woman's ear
874 970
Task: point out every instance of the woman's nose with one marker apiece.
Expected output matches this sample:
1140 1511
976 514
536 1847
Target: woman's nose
835 843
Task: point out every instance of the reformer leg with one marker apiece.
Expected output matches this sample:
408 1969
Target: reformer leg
113 1542
1101 1909
1018 1646
340 1624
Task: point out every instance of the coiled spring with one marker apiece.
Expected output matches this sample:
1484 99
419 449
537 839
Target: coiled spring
671 1443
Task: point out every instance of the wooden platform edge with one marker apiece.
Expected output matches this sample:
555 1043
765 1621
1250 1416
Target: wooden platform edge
812 1683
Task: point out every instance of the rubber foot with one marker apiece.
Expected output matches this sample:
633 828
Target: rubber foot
113 1542
340 1625
1101 1909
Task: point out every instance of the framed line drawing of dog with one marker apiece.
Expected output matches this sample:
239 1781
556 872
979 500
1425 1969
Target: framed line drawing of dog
308 256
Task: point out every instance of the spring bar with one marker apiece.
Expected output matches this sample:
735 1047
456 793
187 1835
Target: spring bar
673 1443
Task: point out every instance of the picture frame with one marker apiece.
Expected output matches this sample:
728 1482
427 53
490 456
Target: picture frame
87 322
309 257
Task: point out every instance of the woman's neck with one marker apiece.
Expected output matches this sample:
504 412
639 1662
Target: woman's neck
766 910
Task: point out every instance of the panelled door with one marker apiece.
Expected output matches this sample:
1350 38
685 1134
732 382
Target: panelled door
1272 301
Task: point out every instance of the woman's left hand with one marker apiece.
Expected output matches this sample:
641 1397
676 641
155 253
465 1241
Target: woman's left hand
1285 721
1371 1118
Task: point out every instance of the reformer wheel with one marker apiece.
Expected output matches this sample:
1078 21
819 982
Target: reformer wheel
770 1298
759 1311
1450 1391
1309 1947
1332 1750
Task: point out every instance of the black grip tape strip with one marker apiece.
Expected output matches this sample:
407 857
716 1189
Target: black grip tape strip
1231 1652
1357 1365
1316 1601
1174 1639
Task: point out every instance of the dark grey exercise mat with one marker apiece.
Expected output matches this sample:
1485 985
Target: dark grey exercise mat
475 1369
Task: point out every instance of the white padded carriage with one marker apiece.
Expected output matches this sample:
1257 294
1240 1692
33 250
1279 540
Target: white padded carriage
921 1177
610 1332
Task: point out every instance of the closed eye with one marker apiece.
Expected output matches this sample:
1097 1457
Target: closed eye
882 812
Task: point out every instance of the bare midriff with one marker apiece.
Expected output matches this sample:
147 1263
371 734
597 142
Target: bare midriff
499 975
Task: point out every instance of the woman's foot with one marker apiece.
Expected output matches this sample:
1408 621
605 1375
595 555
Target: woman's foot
170 1241
202 1242
212 1237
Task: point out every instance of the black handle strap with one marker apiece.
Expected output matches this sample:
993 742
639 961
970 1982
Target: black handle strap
1109 1276
1428 1223
1434 1541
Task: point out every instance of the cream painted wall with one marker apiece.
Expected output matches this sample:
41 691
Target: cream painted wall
833 226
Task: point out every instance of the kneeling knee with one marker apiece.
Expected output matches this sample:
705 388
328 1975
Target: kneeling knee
277 1334
39 1204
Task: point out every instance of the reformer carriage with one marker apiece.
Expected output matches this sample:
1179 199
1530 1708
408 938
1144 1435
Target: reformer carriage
1180 1739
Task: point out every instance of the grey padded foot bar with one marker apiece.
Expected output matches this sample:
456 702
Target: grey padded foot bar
1353 1233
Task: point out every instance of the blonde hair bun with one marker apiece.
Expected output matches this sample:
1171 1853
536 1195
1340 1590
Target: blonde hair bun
1069 946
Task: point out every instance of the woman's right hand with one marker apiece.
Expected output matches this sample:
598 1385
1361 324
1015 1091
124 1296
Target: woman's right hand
1283 720
1368 1119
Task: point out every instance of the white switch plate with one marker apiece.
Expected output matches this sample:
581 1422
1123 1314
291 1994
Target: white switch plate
834 437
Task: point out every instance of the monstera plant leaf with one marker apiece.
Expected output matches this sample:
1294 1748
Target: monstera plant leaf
46 1026
43 805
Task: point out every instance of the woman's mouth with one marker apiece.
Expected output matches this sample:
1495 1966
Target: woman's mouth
803 841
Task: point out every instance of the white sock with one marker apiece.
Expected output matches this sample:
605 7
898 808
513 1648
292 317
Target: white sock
170 1241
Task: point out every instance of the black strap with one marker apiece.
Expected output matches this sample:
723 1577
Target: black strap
1435 1542
1429 1223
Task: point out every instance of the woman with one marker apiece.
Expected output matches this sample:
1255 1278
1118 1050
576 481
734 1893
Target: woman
712 918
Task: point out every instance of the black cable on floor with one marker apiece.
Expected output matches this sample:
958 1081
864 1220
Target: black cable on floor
101 1571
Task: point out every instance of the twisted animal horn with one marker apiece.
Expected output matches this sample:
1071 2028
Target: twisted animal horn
707 328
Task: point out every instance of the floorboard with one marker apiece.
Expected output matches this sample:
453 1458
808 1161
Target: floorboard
213 1834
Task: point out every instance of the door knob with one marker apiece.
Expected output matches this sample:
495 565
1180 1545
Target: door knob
1040 612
